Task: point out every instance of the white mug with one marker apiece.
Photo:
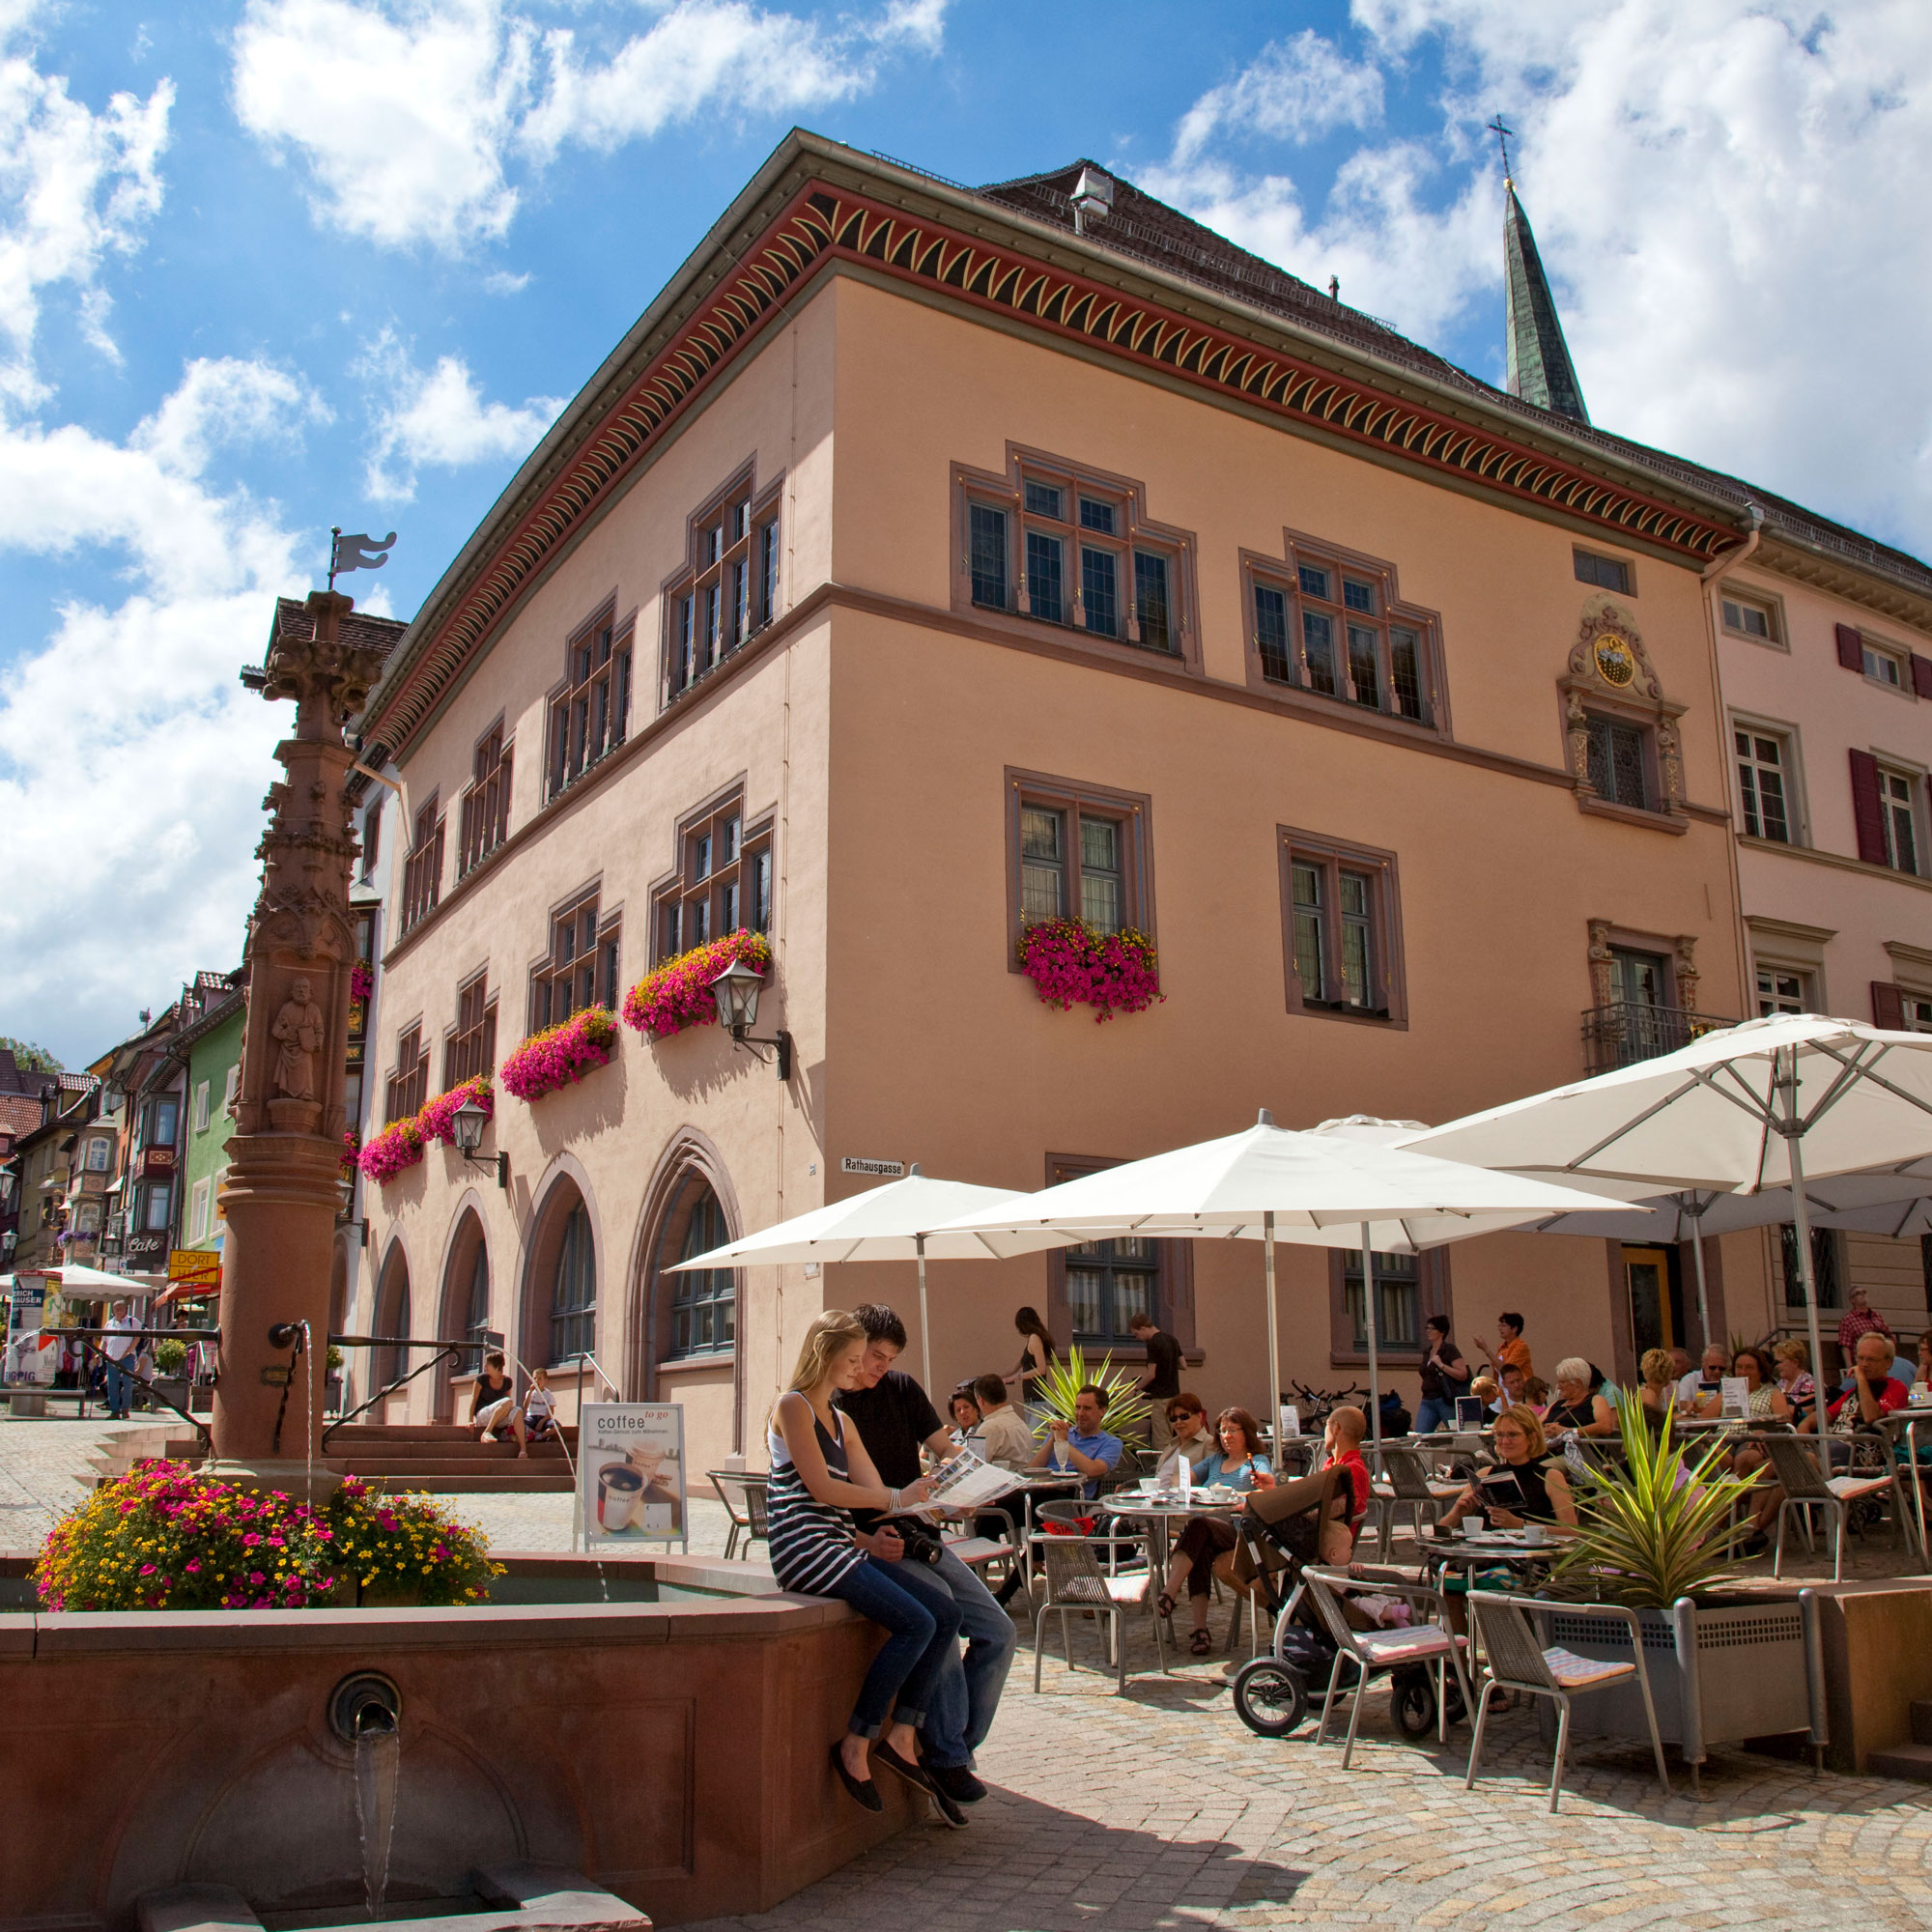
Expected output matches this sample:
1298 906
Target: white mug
1533 1536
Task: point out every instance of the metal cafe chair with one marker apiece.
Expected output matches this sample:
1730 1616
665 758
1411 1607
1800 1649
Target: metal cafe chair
747 1513
1407 1484
1806 1486
1519 1661
1378 1650
1076 1582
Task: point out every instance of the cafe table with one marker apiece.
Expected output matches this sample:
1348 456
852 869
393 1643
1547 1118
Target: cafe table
1488 1548
1907 1423
1160 1509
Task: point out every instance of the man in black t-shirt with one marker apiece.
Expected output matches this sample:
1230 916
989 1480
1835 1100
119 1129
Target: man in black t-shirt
895 1420
1162 1380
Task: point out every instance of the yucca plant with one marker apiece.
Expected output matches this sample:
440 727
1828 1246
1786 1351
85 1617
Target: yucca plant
1656 1530
1059 1383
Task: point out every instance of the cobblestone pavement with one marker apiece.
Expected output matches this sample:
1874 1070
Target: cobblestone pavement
1161 1811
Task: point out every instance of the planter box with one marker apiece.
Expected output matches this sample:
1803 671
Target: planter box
1720 1673
173 1389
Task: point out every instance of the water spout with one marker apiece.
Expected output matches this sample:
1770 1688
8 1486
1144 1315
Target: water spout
378 1765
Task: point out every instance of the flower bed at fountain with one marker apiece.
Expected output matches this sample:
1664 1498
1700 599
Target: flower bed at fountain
162 1537
678 995
560 1056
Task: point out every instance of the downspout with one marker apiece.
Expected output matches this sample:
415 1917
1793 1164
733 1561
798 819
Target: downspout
1707 585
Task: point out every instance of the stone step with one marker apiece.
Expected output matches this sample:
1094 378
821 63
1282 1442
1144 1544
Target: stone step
477 1482
358 1433
1908 1761
419 1468
359 1449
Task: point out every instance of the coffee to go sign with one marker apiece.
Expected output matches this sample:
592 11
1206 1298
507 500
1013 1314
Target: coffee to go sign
630 1473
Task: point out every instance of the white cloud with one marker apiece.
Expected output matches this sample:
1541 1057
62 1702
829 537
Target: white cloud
132 761
76 187
433 104
1728 193
1296 91
439 417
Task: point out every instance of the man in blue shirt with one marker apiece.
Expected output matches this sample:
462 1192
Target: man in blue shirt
1085 1449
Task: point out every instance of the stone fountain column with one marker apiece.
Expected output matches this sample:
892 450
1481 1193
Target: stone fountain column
284 1155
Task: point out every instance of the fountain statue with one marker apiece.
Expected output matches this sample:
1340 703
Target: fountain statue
281 1193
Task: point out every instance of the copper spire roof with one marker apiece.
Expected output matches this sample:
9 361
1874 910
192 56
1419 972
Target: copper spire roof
1539 368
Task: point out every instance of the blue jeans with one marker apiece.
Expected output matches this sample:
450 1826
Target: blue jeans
921 1624
965 1695
1433 1413
120 1389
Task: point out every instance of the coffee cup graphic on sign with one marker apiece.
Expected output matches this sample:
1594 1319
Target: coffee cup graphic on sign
618 1487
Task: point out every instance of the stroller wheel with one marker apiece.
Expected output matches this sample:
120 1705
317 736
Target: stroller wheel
1270 1696
1414 1698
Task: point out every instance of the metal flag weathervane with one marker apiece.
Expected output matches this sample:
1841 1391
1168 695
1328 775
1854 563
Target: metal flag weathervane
356 552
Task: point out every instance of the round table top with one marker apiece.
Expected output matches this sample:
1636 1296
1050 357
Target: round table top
1133 1502
1492 1546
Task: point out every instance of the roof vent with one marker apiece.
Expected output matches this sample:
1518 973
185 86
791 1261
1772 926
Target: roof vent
1093 198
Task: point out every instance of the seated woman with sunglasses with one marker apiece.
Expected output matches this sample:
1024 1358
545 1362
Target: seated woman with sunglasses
1236 1465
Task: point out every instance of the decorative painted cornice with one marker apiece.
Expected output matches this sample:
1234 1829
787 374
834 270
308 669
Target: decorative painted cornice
821 224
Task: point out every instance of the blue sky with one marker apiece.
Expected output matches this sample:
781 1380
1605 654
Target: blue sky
272 266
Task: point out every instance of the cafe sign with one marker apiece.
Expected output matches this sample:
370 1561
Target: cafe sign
630 1473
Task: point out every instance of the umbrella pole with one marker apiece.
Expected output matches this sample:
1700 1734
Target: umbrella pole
925 1327
1801 1215
1369 1314
1703 1296
1273 1411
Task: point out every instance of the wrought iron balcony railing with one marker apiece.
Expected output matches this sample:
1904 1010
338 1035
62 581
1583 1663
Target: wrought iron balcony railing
1626 1030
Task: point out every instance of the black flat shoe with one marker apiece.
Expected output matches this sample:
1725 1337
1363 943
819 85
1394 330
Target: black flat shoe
921 1779
861 1788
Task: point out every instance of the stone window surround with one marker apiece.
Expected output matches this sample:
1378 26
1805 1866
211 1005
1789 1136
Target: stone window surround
1751 593
1583 692
1797 948
1133 810
1679 952
1797 797
765 508
1291 844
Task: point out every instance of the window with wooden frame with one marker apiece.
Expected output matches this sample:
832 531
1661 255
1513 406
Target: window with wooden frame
485 816
1097 1289
582 967
1766 756
589 711
1074 548
422 869
728 589
1888 810
1749 615
408 1085
1408 1290
1076 851
470 1049
1330 622
1342 929
1602 573
1782 989
723 879
372 834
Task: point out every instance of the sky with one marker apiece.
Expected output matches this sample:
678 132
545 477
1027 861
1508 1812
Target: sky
275 266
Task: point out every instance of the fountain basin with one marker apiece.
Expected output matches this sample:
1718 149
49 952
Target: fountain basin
669 1744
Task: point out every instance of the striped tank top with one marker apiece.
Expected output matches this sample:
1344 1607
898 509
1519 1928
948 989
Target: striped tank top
811 1542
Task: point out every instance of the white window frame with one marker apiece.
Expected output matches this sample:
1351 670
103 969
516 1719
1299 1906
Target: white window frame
1913 776
100 1155
200 1120
231 1089
1762 599
197 1211
1797 817
1806 979
1896 655
1918 1007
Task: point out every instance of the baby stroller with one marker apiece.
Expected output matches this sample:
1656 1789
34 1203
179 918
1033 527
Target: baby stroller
1282 1529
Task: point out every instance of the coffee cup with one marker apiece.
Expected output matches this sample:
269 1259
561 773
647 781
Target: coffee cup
618 1489
1534 1536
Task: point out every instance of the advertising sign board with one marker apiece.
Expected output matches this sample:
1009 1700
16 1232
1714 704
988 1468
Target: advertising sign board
630 1473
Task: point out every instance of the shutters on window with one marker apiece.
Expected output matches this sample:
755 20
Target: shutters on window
1921 675
1867 807
1851 647
1888 1005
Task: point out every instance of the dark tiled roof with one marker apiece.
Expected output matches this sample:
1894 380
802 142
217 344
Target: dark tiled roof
359 630
1141 228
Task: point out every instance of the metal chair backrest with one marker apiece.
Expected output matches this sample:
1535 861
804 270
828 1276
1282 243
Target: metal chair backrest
1322 1591
1073 1574
1072 1518
757 1497
1509 1636
736 1491
1796 1465
1406 1475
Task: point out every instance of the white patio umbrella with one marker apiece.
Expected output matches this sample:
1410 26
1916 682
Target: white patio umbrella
73 1279
1749 1107
892 1223
1273 1185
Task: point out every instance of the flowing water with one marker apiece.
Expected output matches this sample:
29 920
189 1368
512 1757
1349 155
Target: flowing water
378 1764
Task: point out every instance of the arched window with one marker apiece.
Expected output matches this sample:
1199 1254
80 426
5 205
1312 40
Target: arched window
476 1314
704 1303
393 1318
573 1301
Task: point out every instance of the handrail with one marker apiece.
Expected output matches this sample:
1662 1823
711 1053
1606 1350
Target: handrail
87 1341
442 1349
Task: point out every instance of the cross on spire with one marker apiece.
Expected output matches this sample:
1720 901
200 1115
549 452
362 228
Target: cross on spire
1505 136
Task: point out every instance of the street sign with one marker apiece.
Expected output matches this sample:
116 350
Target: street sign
889 1170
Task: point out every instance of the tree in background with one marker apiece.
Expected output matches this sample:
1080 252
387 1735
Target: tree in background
31 1058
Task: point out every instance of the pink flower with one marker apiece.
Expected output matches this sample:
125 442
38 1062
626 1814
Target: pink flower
560 1055
678 994
1071 961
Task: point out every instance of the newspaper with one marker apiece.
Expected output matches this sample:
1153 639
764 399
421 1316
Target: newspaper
965 1483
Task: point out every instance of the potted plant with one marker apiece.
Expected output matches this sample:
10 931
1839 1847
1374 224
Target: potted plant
1057 1385
332 1380
170 1359
1724 1664
1072 963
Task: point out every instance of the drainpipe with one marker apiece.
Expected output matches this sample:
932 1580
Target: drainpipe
1707 588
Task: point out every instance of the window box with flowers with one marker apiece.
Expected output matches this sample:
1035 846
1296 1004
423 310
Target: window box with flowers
402 1143
1072 962
560 1056
677 994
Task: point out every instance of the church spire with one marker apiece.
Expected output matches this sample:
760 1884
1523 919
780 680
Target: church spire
1540 369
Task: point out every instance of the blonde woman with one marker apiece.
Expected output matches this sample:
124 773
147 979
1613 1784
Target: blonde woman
820 1474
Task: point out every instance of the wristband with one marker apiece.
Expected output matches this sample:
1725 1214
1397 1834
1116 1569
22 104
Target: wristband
892 1501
